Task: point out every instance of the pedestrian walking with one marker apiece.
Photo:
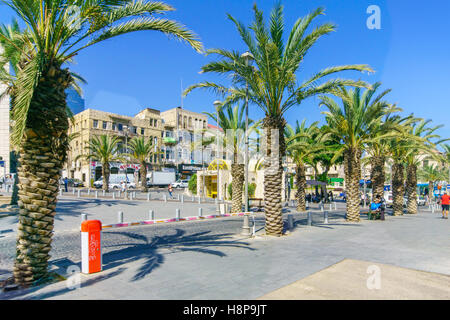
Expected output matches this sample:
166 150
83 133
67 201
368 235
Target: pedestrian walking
66 182
170 189
445 204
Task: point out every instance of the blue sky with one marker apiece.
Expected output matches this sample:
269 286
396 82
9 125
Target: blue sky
410 54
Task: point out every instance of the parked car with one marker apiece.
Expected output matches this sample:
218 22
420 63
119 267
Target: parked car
115 182
389 199
180 184
420 201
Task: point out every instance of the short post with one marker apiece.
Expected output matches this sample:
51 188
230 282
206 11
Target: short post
321 206
165 198
60 191
182 199
134 194
104 192
120 217
177 214
96 194
73 190
151 215
246 226
290 221
178 197
200 212
120 192
89 191
79 195
335 206
114 196
193 198
83 217
330 206
309 218
148 196
307 205
325 217
199 200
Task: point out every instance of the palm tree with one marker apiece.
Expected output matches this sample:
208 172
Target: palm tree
352 124
39 111
273 87
421 144
432 174
232 122
104 149
302 143
142 151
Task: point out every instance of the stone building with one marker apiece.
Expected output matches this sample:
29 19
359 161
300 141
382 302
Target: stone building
90 123
4 131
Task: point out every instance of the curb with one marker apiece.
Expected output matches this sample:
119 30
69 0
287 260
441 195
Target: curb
146 222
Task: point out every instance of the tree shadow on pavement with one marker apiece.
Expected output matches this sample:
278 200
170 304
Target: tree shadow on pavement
152 249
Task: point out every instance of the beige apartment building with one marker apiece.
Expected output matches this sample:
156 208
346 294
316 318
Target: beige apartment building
90 123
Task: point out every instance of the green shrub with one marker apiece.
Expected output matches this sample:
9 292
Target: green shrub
192 185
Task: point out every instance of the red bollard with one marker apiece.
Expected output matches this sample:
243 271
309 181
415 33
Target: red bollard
91 246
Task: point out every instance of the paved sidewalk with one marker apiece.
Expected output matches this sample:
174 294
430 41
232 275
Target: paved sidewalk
226 266
361 280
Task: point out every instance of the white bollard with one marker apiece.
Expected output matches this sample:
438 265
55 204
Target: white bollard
73 190
307 205
60 191
325 217
104 192
335 206
330 207
200 212
96 194
148 196
193 198
290 221
114 196
309 218
83 217
120 192
199 200
165 197
120 217
182 199
89 191
177 214
151 215
79 193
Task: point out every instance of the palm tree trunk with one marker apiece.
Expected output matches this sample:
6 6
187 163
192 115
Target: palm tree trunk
300 180
43 152
411 188
105 173
377 176
237 176
143 172
398 189
273 174
352 168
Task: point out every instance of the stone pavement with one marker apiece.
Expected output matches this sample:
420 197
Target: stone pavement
351 279
208 265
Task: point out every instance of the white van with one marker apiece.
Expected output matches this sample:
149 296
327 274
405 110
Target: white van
115 180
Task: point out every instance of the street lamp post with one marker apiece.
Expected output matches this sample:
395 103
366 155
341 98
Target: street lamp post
217 105
248 57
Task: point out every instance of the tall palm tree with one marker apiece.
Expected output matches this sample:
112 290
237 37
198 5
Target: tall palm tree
104 149
352 124
273 86
142 151
302 143
232 122
40 113
421 144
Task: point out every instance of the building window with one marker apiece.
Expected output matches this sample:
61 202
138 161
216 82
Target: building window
142 131
104 125
151 122
134 129
114 125
95 123
120 127
156 123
